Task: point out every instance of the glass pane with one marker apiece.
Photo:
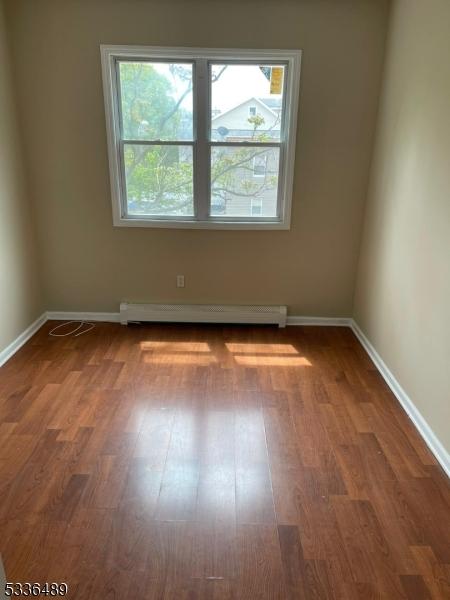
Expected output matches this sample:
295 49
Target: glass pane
159 180
156 100
244 181
246 102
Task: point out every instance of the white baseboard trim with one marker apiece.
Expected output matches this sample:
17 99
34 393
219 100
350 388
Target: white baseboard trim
83 316
14 346
319 321
410 408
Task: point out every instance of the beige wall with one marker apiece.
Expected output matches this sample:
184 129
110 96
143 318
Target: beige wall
20 301
402 299
88 264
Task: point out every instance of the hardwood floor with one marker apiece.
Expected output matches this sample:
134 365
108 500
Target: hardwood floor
191 462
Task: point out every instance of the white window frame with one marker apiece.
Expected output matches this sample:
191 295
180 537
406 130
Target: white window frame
202 144
251 109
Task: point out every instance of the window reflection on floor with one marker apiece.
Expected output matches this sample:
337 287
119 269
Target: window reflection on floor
201 353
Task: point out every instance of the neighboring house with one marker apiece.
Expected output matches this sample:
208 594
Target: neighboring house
235 125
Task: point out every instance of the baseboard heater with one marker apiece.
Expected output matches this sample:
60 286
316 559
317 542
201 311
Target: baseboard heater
202 313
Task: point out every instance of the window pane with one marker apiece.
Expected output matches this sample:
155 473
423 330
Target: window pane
156 100
246 102
239 188
159 180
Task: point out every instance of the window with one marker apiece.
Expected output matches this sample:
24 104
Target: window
259 166
201 138
256 207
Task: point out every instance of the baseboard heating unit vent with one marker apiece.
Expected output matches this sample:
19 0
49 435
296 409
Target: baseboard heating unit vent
202 313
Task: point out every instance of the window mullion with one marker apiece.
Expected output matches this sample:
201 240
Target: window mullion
201 175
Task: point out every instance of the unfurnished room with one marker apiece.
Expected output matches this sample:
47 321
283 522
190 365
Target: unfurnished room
225 299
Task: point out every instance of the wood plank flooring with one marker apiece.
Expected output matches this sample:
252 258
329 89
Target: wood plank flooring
208 462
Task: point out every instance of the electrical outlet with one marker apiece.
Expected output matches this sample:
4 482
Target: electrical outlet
180 281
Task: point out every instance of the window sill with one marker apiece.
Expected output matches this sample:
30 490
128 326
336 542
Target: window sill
210 224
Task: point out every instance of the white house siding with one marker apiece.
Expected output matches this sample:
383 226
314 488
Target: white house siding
237 119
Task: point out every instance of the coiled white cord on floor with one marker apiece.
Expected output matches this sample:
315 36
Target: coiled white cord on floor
76 330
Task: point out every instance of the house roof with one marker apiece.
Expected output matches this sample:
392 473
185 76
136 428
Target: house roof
258 100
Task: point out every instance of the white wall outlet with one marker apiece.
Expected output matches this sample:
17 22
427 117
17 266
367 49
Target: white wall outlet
180 281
